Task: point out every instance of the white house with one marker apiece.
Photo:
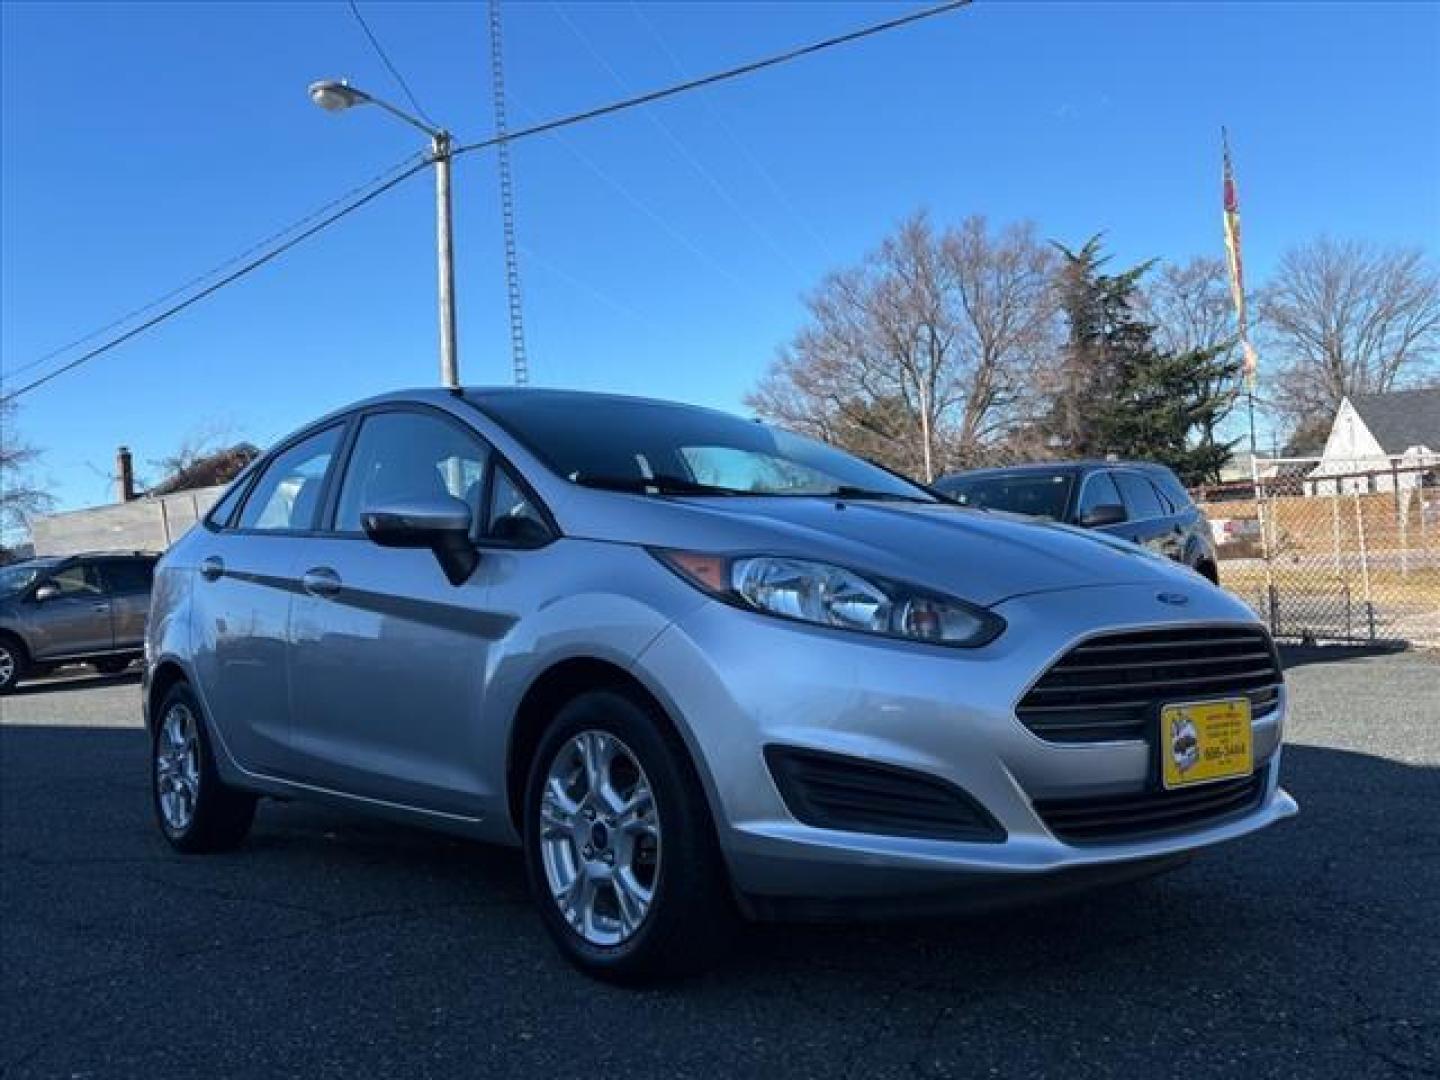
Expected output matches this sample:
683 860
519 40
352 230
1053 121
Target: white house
1379 441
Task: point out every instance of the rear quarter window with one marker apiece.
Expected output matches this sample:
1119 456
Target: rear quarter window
1171 488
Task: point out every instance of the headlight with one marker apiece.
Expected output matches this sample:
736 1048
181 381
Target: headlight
829 595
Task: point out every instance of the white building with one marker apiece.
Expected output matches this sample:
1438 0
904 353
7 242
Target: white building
1379 442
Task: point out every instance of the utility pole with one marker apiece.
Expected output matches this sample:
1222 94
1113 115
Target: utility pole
507 203
444 237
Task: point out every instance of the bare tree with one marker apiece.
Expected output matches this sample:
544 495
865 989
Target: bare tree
20 499
1189 306
1348 317
918 357
200 442
1009 329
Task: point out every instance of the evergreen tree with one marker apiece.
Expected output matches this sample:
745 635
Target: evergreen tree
1118 392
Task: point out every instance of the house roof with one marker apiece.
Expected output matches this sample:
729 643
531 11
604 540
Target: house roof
1402 418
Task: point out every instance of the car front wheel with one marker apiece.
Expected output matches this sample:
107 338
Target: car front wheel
619 845
195 809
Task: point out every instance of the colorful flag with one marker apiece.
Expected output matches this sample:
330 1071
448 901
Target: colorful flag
1237 266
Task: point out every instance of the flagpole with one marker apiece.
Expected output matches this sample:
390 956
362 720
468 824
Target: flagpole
1242 324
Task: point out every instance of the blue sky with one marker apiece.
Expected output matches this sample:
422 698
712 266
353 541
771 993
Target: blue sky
664 251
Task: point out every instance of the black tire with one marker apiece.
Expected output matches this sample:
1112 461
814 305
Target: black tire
221 815
111 666
14 662
691 918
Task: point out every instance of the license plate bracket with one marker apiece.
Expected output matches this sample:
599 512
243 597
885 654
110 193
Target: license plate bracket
1204 741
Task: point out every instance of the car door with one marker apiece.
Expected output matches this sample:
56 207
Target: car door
1149 521
127 584
245 580
387 656
74 619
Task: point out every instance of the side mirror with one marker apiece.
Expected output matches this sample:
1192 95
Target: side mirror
441 524
1104 514
46 592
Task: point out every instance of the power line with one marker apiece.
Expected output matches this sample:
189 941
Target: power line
535 129
786 202
719 76
217 269
384 59
680 148
252 265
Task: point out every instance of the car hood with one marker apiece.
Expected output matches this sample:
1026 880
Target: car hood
979 556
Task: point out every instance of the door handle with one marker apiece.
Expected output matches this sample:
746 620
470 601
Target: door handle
102 607
212 568
321 581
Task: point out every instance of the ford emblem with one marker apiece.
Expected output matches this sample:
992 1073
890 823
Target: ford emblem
1172 598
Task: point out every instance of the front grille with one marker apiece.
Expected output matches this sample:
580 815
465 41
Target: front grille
1150 813
1110 687
832 791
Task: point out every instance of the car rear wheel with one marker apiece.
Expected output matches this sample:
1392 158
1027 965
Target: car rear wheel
12 662
195 809
619 845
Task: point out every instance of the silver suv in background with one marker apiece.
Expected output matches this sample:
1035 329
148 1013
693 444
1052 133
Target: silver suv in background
697 668
73 609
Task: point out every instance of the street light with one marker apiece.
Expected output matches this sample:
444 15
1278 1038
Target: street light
334 95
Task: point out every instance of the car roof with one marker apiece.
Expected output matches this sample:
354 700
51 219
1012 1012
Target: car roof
1085 465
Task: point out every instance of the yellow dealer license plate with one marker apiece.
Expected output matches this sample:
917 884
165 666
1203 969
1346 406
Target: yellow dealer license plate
1202 741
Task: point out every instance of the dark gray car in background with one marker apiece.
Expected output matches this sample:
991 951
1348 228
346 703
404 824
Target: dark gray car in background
1138 501
88 608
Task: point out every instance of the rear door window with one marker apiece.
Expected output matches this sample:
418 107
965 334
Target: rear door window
1142 502
127 577
287 495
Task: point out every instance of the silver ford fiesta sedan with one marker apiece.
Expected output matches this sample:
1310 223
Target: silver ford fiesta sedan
698 668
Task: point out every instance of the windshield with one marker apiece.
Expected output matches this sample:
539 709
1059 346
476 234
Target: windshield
16 579
655 447
1038 494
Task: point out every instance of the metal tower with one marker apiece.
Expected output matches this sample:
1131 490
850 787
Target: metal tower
507 203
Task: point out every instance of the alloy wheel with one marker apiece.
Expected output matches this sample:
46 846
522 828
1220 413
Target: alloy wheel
7 666
177 767
600 838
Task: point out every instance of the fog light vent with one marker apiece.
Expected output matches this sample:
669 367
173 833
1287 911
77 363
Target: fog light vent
833 791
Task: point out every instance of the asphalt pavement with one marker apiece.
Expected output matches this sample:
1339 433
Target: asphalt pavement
335 947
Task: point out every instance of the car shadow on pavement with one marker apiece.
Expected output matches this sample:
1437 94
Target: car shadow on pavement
1307 938
1293 656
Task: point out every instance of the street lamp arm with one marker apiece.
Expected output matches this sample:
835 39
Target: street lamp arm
336 95
433 132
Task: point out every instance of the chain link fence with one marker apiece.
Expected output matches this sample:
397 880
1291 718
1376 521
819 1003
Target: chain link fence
1335 552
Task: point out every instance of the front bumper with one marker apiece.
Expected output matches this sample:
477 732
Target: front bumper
738 682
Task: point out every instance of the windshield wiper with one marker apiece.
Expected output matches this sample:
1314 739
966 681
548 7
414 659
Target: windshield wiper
662 485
